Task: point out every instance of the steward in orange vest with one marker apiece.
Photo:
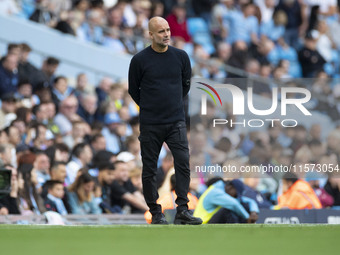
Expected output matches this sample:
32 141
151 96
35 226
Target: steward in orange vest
297 194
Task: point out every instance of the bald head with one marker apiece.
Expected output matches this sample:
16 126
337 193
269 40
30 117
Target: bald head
159 32
155 22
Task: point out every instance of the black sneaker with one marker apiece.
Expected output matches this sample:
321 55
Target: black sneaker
159 219
185 218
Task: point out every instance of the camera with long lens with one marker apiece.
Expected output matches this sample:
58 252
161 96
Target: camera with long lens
5 181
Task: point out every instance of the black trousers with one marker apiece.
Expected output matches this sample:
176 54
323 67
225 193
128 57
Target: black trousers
151 139
224 216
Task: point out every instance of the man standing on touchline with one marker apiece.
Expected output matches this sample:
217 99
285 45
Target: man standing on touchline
159 79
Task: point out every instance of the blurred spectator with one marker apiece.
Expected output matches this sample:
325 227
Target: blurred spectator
105 178
262 52
133 147
25 68
103 89
91 29
13 49
178 23
157 8
87 107
325 46
40 113
41 166
98 143
43 13
310 59
267 9
81 157
224 203
13 134
333 140
218 14
39 137
25 94
30 200
82 85
123 193
313 179
79 131
116 95
67 114
51 112
58 152
299 139
7 111
114 132
127 158
297 194
64 23
239 55
332 187
45 77
59 6
317 149
81 196
79 11
9 77
295 15
275 28
250 190
60 90
58 173
54 201
135 176
112 42
115 18
214 70
224 51
243 25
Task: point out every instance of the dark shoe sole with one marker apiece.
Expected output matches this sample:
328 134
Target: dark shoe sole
160 223
184 222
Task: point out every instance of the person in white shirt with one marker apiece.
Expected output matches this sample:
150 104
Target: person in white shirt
81 157
325 46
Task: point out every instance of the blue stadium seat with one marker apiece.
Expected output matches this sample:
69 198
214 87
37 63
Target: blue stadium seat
199 32
197 25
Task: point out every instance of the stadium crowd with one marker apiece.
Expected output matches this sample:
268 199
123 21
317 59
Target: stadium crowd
280 38
75 149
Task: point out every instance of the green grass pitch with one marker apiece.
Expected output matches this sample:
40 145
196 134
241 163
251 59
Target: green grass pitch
207 239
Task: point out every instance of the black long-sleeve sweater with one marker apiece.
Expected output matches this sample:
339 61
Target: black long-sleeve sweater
158 82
